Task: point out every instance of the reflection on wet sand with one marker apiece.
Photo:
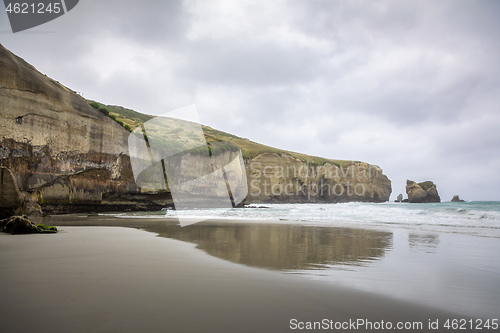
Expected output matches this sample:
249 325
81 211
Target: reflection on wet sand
281 247
427 243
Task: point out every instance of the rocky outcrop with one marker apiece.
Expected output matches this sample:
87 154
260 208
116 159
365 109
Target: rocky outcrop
12 201
456 198
22 225
422 192
399 198
10 196
275 178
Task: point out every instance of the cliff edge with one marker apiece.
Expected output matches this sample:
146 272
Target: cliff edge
68 156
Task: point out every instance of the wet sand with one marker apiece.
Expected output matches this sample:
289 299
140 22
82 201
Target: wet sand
116 279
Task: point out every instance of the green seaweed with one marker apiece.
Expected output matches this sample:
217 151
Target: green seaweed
46 229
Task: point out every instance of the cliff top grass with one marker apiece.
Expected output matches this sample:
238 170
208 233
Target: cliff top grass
425 185
131 119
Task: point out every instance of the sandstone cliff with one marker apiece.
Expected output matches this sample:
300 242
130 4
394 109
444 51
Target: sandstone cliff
69 157
63 152
275 178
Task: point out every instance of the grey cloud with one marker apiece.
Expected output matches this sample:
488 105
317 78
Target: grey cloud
413 93
248 62
147 21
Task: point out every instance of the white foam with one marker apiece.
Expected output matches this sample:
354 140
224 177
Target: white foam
476 218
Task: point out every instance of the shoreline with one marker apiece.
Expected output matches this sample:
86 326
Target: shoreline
105 279
455 272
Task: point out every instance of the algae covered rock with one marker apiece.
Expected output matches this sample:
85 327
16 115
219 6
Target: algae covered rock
22 225
45 229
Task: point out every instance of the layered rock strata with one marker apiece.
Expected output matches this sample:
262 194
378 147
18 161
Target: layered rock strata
64 154
275 178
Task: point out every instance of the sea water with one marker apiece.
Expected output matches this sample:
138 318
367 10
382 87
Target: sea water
438 254
478 218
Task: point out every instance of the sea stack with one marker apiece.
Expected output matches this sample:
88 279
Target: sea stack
422 192
456 198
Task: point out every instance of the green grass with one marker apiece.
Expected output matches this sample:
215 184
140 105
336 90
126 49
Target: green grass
128 119
131 119
425 185
46 229
251 149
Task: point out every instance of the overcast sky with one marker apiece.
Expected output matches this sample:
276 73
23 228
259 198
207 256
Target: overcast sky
412 86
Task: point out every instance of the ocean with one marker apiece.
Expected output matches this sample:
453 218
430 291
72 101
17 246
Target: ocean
438 254
477 218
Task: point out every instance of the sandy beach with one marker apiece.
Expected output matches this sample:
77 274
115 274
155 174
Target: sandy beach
116 279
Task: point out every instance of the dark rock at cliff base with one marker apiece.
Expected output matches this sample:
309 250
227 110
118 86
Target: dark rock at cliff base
18 225
22 225
10 196
33 211
422 192
456 198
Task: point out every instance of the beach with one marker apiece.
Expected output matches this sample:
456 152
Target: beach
117 279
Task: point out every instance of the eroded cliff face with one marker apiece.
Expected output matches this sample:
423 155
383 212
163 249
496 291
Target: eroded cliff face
270 177
50 139
69 157
10 197
275 178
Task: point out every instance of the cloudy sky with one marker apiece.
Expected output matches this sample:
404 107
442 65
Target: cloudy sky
413 86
